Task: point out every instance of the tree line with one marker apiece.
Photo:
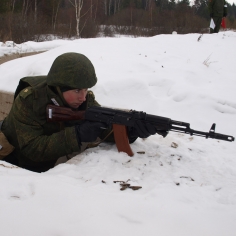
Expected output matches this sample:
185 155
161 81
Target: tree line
39 20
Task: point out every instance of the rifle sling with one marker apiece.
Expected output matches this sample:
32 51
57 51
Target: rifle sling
95 144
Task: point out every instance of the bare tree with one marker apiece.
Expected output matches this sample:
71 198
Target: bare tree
147 4
109 7
131 5
93 9
11 7
116 5
35 10
78 5
25 7
105 6
151 6
55 8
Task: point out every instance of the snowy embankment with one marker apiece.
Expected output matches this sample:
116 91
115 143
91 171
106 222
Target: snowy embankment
188 183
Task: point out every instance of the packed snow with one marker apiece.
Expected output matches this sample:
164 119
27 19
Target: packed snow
188 182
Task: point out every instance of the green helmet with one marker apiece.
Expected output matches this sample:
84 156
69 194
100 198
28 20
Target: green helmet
72 70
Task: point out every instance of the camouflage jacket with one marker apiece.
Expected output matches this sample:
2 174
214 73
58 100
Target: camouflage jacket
217 8
39 144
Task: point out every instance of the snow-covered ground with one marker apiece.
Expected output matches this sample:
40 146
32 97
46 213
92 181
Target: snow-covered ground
188 183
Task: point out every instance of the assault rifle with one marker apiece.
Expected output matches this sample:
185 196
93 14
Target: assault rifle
120 119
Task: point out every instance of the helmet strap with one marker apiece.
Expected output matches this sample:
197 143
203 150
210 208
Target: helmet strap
61 96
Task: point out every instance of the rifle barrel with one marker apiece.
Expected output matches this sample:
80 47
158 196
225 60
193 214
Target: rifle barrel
176 126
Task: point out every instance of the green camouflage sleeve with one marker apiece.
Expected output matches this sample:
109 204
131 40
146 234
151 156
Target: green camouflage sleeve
33 143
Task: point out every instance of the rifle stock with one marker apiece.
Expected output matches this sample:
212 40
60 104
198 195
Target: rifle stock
120 119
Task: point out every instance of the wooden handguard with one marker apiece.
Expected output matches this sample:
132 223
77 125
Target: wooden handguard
58 114
121 139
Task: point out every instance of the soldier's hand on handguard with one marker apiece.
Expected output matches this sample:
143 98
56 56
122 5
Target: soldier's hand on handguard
144 130
89 131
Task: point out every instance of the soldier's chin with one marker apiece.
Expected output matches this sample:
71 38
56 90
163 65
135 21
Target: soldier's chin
75 105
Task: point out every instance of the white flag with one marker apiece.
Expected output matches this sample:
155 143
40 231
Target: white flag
212 24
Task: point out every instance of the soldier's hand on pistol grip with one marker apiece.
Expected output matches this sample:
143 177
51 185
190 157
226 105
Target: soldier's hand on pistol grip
89 131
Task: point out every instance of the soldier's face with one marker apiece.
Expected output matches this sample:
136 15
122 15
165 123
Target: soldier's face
75 97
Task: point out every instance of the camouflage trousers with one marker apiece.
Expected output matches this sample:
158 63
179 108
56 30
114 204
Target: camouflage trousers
217 21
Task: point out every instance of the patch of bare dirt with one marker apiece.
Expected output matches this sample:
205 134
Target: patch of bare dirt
10 57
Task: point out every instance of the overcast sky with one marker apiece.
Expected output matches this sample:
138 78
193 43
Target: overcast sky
231 1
